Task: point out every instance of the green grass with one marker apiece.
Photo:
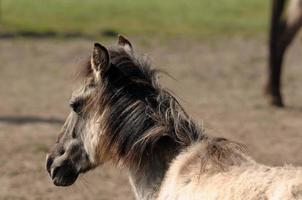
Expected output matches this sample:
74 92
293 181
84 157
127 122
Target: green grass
137 17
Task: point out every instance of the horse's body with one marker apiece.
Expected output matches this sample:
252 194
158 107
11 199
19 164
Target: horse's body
122 115
245 180
285 24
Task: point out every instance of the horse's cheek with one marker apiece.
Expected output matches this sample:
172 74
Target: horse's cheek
90 141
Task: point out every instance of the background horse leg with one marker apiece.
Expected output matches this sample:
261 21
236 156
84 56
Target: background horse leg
275 60
281 35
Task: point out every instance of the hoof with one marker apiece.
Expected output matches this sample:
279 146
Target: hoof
275 100
274 97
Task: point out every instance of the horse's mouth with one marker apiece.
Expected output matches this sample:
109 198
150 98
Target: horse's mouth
64 172
62 176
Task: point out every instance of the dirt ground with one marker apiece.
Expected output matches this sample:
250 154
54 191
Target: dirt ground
220 82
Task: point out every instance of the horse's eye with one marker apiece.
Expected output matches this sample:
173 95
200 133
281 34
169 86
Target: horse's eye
77 106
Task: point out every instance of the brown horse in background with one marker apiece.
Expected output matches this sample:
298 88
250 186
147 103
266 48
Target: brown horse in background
285 23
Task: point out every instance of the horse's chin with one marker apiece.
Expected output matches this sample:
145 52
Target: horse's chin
64 177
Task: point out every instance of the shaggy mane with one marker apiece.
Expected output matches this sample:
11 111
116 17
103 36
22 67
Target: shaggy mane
142 121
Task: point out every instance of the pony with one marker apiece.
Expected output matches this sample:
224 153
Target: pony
284 27
122 115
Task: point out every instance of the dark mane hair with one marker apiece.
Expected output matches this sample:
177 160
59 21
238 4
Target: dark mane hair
140 117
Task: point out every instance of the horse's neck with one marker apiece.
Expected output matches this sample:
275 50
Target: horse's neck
147 182
145 186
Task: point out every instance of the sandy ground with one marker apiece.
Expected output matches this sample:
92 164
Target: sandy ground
220 82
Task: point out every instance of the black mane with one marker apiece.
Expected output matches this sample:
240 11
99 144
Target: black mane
141 118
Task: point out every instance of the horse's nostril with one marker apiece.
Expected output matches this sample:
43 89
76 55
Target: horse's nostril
54 172
61 152
49 162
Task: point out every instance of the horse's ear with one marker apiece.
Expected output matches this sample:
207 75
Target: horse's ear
100 59
125 43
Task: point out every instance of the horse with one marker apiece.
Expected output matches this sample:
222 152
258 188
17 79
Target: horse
121 115
283 29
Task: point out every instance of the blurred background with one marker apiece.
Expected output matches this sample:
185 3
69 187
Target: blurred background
216 51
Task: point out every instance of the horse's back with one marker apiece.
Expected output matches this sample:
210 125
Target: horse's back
235 185
249 181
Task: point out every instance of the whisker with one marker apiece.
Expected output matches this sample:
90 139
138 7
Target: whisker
87 185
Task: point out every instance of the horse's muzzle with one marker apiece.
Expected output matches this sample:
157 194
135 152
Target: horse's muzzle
62 174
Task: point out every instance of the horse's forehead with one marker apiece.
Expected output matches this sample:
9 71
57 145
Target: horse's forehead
80 90
68 120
